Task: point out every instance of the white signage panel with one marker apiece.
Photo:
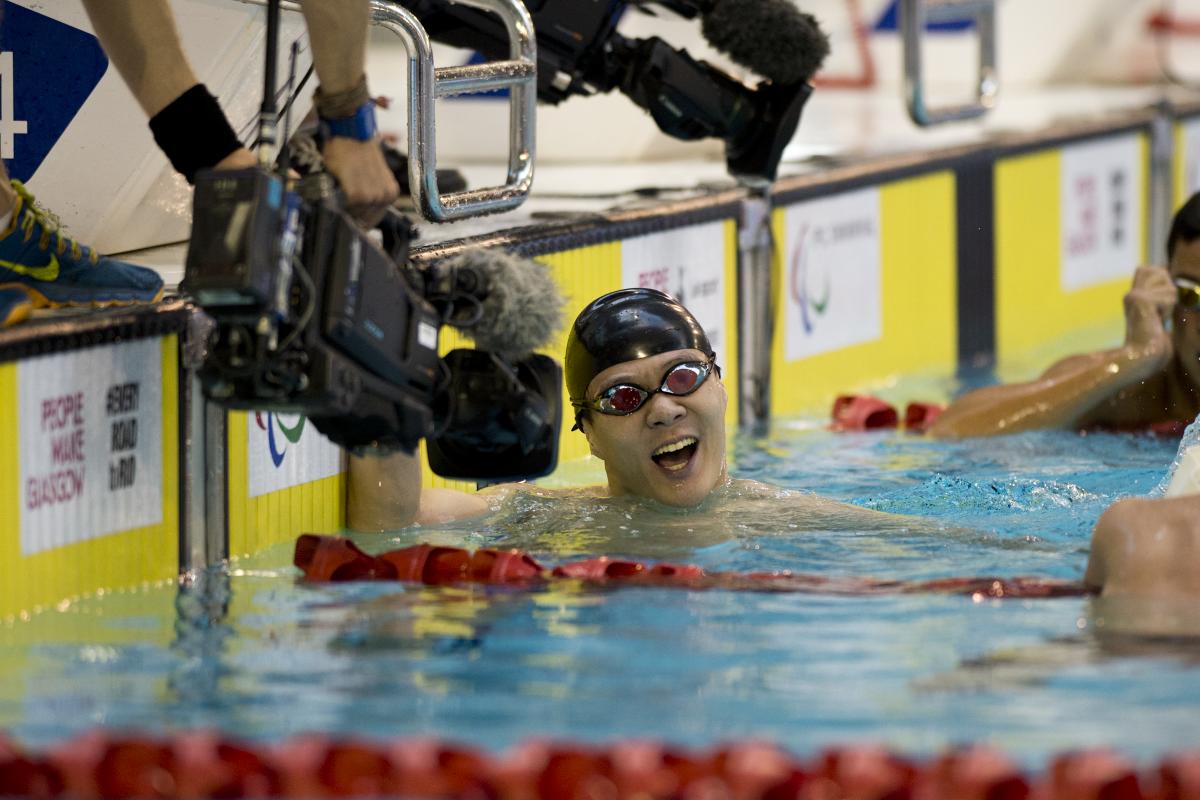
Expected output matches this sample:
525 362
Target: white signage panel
1191 156
285 450
91 442
1100 188
831 274
688 264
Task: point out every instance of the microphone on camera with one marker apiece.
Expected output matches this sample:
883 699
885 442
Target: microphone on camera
502 403
508 304
772 38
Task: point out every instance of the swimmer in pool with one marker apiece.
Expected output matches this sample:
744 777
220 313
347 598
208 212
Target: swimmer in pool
1144 561
1148 547
647 394
1144 565
1154 377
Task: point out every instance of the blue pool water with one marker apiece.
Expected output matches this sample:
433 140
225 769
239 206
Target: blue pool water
251 652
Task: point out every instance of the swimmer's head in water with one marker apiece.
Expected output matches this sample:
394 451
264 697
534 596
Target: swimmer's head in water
626 325
1184 267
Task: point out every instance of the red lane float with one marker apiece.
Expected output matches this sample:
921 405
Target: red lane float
335 558
860 412
919 416
203 764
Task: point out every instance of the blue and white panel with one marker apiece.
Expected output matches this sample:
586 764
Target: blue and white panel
70 126
832 274
285 450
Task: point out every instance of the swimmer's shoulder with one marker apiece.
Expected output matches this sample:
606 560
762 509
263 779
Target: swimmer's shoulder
750 494
747 489
440 506
503 491
816 509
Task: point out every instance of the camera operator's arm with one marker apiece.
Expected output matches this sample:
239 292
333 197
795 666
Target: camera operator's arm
337 30
385 493
141 40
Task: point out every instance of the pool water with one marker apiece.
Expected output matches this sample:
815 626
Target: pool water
251 652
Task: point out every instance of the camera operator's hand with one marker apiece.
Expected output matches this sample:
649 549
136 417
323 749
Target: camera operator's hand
364 177
1148 304
238 159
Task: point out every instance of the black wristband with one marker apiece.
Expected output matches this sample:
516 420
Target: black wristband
193 132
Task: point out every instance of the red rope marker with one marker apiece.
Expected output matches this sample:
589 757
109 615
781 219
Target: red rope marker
860 412
918 417
201 764
334 558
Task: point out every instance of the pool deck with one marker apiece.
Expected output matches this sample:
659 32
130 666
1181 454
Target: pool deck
841 129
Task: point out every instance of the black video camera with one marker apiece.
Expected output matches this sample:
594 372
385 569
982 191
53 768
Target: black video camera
313 316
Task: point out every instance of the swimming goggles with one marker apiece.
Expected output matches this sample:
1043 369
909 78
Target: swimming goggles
626 398
1187 293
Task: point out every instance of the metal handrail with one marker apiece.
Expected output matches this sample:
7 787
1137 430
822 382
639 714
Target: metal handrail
426 83
914 15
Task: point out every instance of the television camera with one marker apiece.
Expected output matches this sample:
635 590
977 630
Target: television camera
313 316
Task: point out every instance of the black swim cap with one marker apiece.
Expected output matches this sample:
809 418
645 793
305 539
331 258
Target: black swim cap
625 325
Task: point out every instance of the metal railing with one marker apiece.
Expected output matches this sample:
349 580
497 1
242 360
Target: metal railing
427 83
914 16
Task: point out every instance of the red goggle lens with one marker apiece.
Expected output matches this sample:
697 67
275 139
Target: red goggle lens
682 379
625 399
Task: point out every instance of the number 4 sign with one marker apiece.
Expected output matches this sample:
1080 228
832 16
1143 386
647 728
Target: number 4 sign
48 69
9 126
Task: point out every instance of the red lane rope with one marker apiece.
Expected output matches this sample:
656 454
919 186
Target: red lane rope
203 764
335 558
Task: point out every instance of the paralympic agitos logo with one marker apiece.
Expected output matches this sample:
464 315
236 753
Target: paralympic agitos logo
811 306
290 433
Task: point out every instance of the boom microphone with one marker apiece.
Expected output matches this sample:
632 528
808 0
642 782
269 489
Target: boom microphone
773 38
508 304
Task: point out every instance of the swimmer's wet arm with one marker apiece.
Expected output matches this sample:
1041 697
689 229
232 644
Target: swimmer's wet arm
1061 397
384 493
832 513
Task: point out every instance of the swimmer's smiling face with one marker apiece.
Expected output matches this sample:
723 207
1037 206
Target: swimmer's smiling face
672 448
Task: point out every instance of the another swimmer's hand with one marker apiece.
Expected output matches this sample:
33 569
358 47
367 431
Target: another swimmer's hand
1148 304
363 174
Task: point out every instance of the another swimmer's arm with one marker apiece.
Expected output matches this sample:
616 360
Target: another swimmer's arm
1148 548
385 493
821 511
1066 392
1060 398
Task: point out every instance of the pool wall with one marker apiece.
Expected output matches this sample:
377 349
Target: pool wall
842 280
90 448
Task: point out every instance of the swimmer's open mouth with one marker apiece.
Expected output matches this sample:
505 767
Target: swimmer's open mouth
676 455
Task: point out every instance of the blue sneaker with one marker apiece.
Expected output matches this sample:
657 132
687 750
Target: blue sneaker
58 271
15 305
